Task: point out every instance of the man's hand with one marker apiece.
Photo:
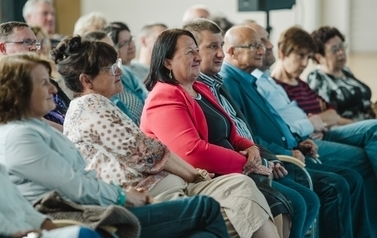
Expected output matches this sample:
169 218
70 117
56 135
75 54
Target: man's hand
252 154
298 155
308 147
278 170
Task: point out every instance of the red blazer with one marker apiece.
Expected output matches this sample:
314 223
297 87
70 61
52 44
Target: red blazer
172 116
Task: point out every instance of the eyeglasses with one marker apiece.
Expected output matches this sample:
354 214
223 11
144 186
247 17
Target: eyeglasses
335 48
124 43
116 68
27 43
252 47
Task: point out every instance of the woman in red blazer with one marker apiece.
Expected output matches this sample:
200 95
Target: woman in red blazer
173 114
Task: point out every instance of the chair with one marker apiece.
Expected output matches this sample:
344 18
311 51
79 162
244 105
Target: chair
313 231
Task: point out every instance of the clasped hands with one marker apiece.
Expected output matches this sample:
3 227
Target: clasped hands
253 164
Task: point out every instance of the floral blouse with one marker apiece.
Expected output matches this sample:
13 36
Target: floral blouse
350 96
113 145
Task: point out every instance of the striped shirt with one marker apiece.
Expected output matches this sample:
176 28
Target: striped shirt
214 83
308 100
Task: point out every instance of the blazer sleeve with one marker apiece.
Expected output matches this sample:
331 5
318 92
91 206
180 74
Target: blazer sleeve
166 116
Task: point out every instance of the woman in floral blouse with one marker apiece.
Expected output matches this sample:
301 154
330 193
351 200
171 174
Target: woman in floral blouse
333 81
115 147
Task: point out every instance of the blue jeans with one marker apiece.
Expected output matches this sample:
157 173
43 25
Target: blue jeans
197 216
304 201
355 146
362 135
343 212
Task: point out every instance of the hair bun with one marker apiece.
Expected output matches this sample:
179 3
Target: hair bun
68 46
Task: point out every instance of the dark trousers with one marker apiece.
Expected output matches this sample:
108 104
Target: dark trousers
305 203
343 212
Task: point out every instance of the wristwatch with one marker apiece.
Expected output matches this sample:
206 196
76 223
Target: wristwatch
201 176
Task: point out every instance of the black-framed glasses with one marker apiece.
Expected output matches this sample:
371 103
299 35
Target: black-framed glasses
125 42
116 68
27 43
335 48
252 47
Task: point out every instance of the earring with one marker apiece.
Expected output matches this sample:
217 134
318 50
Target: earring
170 75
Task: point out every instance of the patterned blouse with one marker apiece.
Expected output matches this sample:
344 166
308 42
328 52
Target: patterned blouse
113 145
350 96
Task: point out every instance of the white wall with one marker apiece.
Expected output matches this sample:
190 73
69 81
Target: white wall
137 13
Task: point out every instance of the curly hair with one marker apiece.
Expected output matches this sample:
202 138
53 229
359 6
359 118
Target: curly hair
74 56
295 39
322 35
16 84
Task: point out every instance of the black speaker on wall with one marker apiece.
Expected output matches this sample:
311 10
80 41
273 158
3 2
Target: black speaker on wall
264 5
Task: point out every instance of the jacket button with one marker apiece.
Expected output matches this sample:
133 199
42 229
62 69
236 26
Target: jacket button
283 138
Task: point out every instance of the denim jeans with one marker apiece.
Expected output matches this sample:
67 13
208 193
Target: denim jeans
355 146
362 134
343 213
197 216
304 201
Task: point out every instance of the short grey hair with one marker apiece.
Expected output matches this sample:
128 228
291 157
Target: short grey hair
29 6
7 28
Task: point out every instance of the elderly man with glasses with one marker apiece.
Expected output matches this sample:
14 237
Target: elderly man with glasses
17 37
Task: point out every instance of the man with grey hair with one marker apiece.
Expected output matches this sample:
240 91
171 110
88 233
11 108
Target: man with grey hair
210 42
40 13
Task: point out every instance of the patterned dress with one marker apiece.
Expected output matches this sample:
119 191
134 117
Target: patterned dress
113 145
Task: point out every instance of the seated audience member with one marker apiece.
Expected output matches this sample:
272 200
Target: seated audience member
195 11
130 104
125 45
18 217
335 82
174 69
93 21
42 13
159 108
115 147
128 101
45 50
16 37
360 135
210 42
244 53
40 159
147 38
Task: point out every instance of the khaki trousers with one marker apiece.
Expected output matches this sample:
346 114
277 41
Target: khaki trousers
243 206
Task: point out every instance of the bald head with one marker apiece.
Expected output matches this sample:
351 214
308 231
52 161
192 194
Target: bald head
243 48
269 58
196 11
238 35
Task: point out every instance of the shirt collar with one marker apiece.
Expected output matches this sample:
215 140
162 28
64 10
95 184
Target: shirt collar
211 80
244 75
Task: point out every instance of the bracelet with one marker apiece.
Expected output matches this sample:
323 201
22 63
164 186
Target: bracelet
121 195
